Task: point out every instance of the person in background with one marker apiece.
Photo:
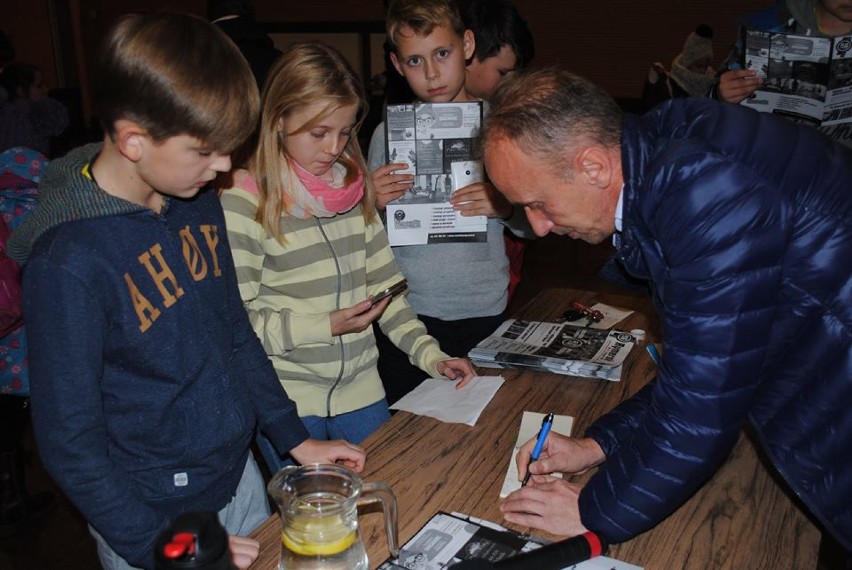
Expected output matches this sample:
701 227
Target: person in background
503 44
28 117
459 290
146 378
746 248
691 73
20 171
819 18
310 249
236 19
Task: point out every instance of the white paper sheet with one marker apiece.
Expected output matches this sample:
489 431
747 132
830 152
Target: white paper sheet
438 398
530 424
612 316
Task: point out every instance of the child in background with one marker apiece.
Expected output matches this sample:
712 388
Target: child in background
147 380
691 74
29 117
310 249
503 41
504 45
459 290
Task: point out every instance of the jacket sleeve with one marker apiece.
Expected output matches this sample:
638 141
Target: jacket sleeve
714 239
279 329
276 412
66 341
399 321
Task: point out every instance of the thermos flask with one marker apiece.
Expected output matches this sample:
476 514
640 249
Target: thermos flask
194 540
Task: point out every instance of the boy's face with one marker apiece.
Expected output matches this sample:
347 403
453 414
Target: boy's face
180 165
433 65
483 77
839 9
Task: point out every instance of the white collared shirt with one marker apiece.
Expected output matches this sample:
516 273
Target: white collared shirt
619 215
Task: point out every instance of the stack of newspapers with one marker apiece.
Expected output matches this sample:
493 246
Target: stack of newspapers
559 348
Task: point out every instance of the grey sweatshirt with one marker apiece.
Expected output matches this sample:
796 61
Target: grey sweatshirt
455 281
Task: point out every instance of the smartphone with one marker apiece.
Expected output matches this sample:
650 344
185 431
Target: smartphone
391 291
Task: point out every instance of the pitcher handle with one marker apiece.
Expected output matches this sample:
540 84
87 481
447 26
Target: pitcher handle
373 492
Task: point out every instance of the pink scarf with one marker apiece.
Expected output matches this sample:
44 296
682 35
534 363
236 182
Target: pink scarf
322 199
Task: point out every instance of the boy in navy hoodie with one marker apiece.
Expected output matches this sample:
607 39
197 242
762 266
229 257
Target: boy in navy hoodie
147 379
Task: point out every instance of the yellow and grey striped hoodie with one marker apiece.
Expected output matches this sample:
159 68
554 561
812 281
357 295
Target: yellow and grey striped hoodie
290 290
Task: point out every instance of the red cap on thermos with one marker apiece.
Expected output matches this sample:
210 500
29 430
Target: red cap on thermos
194 541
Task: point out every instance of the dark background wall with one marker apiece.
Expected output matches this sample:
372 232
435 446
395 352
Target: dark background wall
611 42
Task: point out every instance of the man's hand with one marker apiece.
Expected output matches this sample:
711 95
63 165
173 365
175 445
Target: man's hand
481 199
549 503
456 368
560 454
389 185
737 84
551 506
357 317
244 550
334 451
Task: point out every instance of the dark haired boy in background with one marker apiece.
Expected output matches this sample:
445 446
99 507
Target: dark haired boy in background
503 44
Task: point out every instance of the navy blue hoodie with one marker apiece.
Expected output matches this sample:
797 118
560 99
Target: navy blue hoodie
147 378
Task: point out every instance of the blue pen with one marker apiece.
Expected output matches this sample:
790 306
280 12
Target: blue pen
539 443
652 350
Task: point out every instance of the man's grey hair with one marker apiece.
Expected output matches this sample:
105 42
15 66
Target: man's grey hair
549 113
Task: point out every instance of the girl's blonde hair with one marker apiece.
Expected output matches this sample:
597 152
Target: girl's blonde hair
306 73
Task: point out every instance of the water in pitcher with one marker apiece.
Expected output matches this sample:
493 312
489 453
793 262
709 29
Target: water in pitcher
319 516
312 539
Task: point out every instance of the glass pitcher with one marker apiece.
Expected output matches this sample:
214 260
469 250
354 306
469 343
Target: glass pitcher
319 516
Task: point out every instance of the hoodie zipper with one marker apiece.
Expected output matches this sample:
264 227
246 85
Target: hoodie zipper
337 305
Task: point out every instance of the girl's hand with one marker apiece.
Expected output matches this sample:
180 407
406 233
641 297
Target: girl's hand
358 317
390 186
737 84
244 550
334 451
456 368
481 199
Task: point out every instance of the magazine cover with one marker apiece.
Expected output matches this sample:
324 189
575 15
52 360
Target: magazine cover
436 141
449 538
804 77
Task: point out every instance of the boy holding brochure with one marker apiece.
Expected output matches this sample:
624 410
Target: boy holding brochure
459 290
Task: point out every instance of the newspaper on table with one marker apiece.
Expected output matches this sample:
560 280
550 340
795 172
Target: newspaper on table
436 141
804 77
560 348
449 538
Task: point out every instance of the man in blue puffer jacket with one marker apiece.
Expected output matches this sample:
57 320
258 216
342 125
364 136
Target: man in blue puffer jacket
742 224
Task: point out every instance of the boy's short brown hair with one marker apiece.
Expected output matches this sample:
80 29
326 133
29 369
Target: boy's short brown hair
176 74
421 17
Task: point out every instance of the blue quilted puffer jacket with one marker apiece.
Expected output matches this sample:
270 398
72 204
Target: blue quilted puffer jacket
743 223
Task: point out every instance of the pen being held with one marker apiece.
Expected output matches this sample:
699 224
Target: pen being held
539 444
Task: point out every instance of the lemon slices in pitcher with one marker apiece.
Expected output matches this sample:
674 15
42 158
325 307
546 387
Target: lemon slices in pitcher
314 548
312 535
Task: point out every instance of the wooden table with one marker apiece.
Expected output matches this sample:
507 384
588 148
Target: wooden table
741 519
